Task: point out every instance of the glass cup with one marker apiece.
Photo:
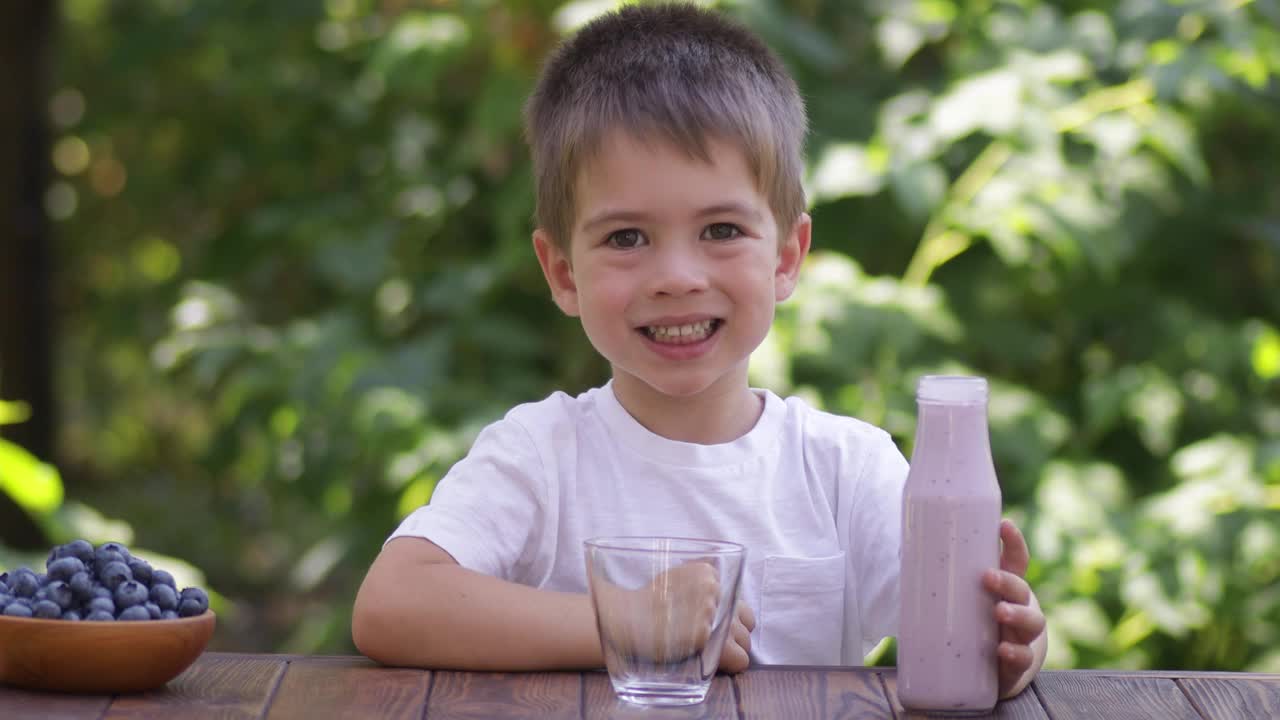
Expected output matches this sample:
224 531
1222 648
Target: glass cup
663 608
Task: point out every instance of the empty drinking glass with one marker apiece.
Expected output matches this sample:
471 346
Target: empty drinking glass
663 607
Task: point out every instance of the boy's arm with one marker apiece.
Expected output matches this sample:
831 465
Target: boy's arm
417 607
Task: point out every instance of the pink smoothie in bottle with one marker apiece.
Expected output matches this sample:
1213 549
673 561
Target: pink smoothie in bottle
947 633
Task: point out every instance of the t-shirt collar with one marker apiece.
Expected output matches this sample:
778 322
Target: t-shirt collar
760 440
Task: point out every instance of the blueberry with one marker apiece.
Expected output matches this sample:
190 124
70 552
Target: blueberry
165 597
141 570
72 615
82 585
42 579
82 550
61 594
102 591
4 585
101 604
114 573
168 614
153 610
114 547
17 609
130 593
101 557
46 609
64 568
5 599
193 601
23 583
100 616
136 612
162 577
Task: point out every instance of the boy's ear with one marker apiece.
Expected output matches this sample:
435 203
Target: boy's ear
791 255
558 271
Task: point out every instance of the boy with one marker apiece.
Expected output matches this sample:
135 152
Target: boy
667 147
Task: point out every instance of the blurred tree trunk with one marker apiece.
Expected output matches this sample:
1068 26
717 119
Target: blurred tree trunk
26 333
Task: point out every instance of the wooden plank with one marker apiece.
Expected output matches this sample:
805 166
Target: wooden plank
16 704
1026 706
1178 674
1075 696
818 692
217 685
349 687
546 696
599 702
1234 698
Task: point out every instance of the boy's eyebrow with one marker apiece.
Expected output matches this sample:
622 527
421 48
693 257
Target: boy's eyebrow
612 216
731 208
728 208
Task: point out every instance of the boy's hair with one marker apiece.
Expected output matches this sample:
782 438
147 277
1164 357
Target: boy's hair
672 72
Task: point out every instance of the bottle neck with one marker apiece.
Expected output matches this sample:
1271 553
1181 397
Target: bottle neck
952 443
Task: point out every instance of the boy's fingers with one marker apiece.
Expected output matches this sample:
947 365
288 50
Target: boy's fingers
747 617
1015 656
736 655
1007 586
734 659
742 636
1023 622
1014 555
1015 659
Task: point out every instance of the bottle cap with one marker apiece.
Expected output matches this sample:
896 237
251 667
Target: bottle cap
952 389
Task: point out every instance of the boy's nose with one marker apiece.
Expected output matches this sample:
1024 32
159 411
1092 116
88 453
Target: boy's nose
677 271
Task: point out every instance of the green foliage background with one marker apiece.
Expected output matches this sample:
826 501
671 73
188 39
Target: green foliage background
296 280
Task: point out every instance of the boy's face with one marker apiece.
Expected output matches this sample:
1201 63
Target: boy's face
674 265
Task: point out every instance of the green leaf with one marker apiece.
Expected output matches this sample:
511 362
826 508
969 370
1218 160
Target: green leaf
423 31
991 102
846 169
919 188
33 485
14 411
1174 138
1266 355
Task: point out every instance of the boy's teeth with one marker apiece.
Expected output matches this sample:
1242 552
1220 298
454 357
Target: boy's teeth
689 333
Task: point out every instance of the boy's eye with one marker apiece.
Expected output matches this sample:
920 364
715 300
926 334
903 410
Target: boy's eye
625 239
722 231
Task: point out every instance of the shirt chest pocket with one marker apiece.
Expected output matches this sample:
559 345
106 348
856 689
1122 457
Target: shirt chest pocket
801 611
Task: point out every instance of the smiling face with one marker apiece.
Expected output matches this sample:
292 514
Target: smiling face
674 267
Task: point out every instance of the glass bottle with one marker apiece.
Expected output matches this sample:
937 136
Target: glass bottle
951 509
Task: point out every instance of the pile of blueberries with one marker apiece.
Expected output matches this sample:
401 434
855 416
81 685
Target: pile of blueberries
103 583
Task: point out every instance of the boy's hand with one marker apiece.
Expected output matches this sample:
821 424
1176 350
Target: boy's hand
668 619
736 655
1022 625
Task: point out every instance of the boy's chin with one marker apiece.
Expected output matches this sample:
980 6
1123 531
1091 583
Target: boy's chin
686 386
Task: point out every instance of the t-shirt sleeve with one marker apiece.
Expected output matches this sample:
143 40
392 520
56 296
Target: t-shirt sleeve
485 510
877 521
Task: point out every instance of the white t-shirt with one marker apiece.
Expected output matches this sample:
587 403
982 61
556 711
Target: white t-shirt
816 499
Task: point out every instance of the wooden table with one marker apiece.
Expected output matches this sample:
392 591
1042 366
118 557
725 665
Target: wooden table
228 685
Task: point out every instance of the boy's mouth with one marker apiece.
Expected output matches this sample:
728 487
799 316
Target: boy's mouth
685 334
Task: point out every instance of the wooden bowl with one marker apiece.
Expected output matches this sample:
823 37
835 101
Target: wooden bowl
99 657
